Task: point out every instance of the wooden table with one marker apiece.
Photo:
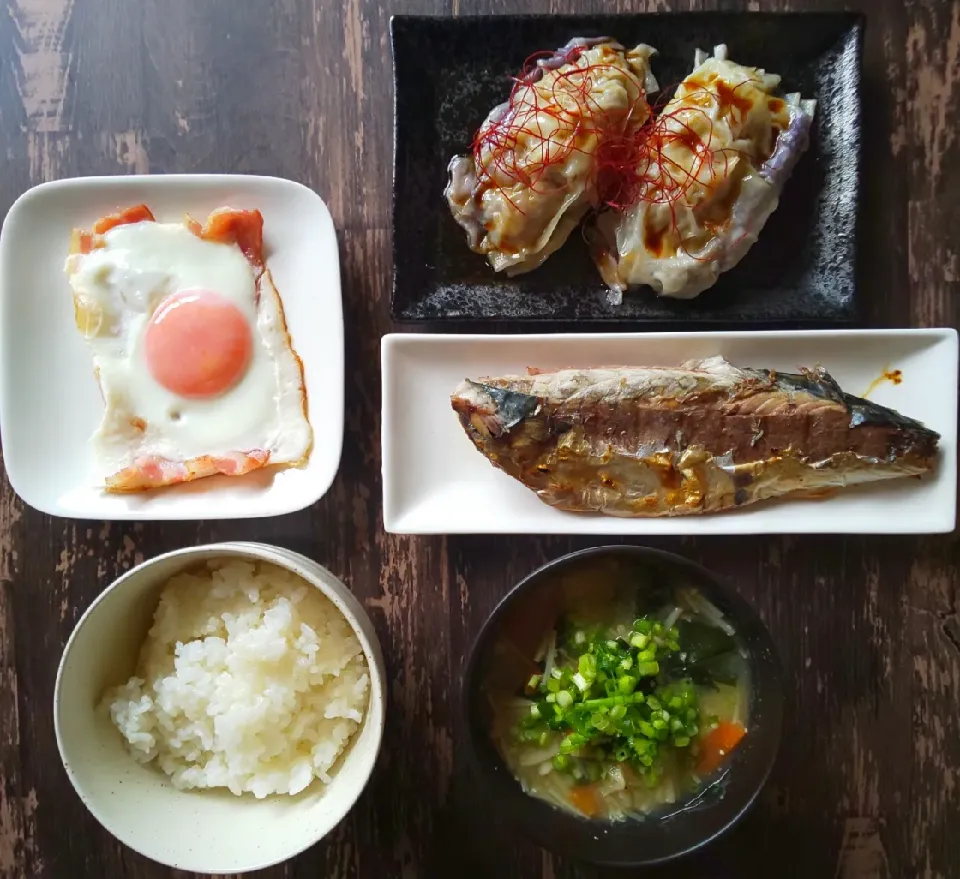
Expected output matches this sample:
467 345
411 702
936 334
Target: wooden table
868 780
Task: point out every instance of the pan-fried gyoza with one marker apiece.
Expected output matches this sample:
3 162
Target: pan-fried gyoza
532 175
710 175
672 199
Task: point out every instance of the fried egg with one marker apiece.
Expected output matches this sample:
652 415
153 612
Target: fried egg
190 347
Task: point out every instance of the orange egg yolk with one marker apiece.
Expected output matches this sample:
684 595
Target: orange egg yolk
198 344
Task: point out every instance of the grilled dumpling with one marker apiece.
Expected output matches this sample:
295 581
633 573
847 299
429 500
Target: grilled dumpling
532 175
711 174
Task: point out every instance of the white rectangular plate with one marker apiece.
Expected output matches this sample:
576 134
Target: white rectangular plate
436 482
49 400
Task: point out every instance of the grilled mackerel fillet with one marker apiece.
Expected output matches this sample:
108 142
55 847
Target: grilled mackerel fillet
701 438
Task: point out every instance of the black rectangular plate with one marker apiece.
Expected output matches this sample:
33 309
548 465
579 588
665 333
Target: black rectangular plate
450 72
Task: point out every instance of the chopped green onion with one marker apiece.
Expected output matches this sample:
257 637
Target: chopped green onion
587 666
599 721
614 698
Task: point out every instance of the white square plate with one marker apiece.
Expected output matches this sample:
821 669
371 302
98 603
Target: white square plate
435 481
49 400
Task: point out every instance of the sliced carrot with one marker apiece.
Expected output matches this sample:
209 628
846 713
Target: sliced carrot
585 799
717 744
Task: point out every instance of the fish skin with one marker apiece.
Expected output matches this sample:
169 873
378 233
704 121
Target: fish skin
700 438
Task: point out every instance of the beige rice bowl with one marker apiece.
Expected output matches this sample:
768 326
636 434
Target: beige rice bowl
249 679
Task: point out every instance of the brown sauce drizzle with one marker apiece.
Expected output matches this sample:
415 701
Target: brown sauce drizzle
727 96
654 235
894 376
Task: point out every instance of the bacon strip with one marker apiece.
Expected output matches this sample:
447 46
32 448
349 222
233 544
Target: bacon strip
232 226
82 241
244 228
137 214
224 226
151 471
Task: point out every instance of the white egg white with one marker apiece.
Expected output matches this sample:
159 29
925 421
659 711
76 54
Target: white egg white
118 287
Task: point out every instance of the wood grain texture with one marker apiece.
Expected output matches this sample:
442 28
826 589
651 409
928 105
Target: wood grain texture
868 781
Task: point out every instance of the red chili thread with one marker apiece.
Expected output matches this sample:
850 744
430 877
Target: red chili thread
568 101
629 164
656 178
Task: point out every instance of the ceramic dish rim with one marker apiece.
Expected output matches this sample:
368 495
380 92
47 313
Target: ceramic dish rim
773 711
333 441
853 22
394 512
346 603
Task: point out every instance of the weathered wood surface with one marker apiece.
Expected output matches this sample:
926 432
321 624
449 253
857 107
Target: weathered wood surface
868 782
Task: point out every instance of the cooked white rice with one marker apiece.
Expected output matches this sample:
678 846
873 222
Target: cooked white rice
249 679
